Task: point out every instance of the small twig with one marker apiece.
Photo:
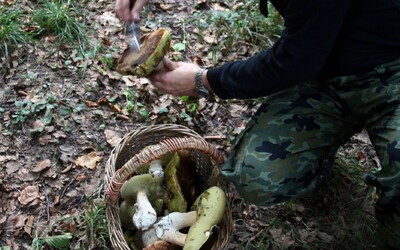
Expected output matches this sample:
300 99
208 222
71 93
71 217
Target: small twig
214 137
22 93
47 204
66 187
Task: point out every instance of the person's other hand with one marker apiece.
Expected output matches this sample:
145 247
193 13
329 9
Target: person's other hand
175 78
125 13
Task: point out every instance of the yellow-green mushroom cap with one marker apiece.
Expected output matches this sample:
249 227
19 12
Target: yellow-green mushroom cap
210 207
143 62
151 184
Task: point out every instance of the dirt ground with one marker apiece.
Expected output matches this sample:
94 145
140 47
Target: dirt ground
61 115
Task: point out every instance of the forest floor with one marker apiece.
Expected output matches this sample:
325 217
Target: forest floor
61 114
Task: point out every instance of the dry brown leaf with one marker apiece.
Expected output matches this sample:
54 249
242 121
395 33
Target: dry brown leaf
325 237
59 134
112 137
67 169
12 167
28 227
44 140
166 7
89 161
276 233
29 194
82 177
3 219
4 158
56 200
115 108
90 104
41 166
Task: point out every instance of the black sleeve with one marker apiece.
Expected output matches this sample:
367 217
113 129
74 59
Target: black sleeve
311 27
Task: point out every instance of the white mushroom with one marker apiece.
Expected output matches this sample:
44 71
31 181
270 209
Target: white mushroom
156 169
145 215
168 227
136 192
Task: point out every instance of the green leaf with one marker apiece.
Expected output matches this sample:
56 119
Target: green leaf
65 111
59 241
163 110
144 113
179 47
48 116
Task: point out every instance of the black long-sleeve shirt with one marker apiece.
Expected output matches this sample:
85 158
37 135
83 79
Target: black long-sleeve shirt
322 38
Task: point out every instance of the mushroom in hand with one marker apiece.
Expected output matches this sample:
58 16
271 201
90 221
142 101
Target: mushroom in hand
142 63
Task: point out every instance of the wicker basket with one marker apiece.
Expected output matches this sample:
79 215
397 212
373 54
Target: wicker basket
150 143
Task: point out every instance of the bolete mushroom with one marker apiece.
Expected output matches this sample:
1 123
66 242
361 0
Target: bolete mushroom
138 191
145 214
143 62
210 207
168 227
126 212
156 168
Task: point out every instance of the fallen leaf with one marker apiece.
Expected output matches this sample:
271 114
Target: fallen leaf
12 167
166 7
41 166
17 221
276 233
29 194
28 227
89 161
4 158
112 137
82 177
115 108
44 140
325 237
90 104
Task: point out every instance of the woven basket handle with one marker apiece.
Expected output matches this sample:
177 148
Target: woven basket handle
154 152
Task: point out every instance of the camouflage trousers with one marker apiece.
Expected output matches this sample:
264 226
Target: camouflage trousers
278 156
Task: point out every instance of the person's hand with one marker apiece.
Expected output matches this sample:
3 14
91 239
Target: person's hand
176 78
125 13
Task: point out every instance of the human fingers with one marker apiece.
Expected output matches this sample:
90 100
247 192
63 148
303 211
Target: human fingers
137 9
169 65
122 10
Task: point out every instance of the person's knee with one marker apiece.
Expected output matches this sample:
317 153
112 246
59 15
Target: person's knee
276 182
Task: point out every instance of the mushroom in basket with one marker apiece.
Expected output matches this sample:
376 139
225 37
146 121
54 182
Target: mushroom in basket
139 193
208 211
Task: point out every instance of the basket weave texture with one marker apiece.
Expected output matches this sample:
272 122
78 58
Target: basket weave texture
150 143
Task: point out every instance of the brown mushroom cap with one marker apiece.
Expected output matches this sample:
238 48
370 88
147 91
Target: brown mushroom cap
143 62
162 245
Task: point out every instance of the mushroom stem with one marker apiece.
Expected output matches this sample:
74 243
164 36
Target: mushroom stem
145 215
168 227
156 169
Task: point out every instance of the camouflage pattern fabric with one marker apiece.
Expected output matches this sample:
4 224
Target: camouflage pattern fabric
280 154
